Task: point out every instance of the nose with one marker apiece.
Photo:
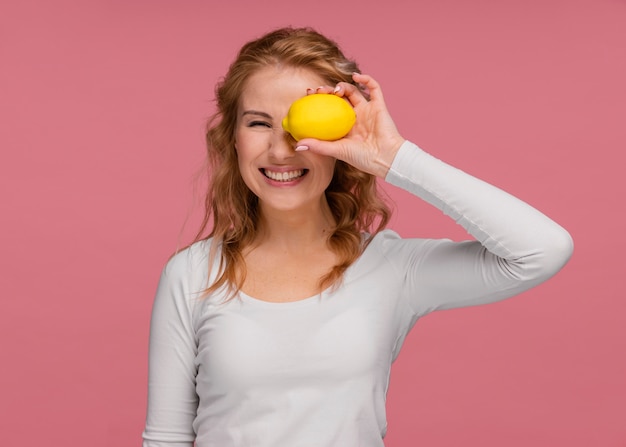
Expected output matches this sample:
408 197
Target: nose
282 145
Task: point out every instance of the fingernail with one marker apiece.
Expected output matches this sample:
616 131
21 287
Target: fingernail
321 86
337 88
309 90
302 148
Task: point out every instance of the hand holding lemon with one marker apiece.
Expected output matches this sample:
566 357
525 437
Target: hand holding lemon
329 125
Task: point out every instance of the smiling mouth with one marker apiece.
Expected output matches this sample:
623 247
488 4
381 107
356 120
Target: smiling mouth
288 176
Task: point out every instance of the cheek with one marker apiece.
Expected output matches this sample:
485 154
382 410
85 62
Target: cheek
249 144
242 149
330 168
244 168
237 139
240 156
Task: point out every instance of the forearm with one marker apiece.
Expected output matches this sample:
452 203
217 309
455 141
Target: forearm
505 225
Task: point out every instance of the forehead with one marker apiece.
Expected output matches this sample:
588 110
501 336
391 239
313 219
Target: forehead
278 86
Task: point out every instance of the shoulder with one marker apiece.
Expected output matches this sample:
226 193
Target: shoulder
389 246
406 254
389 242
189 265
188 257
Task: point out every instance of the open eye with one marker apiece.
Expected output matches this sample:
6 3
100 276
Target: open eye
259 123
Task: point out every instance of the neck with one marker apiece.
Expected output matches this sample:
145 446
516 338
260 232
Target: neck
296 229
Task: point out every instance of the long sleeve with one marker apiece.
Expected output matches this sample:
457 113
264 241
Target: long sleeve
172 399
516 247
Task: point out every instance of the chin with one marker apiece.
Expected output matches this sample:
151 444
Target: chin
286 205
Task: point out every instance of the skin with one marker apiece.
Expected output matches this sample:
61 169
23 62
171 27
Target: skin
290 254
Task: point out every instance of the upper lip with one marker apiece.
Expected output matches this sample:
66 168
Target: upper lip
282 168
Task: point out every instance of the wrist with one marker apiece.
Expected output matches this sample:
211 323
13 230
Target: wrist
388 156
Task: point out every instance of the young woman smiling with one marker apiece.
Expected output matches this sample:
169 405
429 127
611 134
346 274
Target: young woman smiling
280 327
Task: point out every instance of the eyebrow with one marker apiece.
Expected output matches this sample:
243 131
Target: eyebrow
256 112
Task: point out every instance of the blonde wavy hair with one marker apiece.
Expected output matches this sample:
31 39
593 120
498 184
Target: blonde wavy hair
353 196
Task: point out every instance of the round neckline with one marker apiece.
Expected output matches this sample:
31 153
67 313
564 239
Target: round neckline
317 298
284 304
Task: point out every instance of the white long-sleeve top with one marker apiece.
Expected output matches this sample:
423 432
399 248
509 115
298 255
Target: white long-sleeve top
314 372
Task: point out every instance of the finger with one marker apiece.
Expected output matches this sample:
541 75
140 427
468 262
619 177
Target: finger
321 147
320 89
371 84
351 92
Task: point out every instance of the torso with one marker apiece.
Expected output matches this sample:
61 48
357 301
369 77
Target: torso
302 372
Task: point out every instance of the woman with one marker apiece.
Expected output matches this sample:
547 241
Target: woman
279 329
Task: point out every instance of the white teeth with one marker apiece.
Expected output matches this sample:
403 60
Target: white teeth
284 176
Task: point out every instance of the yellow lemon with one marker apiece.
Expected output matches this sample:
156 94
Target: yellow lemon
321 116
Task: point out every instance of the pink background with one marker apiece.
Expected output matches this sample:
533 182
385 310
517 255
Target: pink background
102 108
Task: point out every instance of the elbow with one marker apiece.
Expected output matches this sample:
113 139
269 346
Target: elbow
561 249
557 250
545 260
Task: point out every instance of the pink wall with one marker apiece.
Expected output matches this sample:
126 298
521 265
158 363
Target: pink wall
102 107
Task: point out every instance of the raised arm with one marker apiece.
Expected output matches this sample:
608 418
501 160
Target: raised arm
516 246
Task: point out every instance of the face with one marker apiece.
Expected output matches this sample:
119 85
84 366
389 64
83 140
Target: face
281 178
